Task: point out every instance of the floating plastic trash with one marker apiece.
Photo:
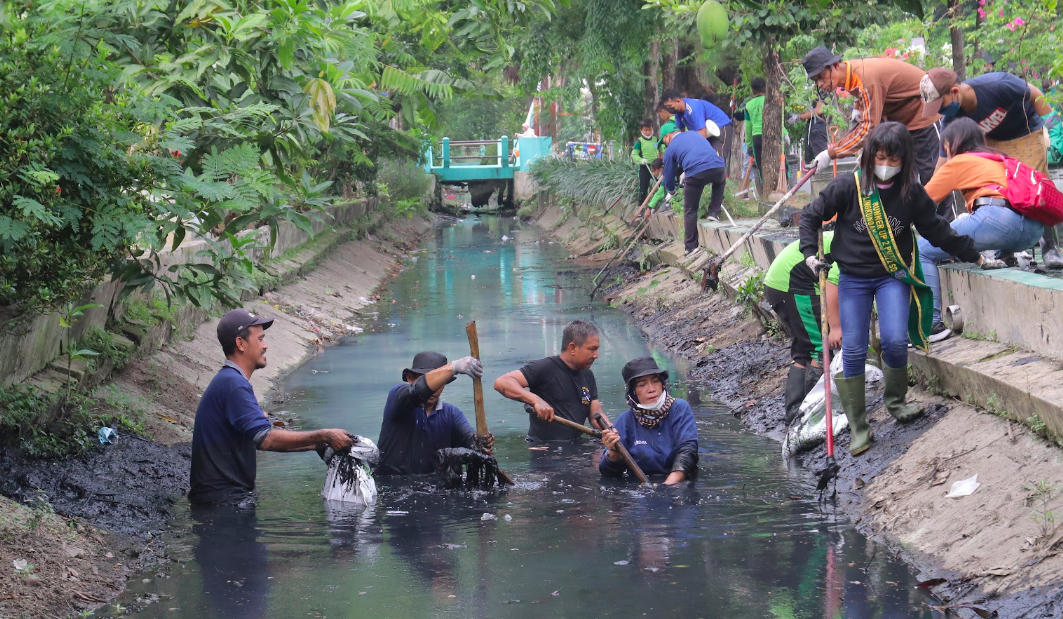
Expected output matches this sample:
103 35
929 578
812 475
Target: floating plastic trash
488 516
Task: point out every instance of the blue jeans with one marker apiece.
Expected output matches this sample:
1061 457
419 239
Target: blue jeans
991 227
855 296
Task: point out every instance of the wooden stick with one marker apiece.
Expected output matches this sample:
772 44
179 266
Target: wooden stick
578 427
624 453
478 394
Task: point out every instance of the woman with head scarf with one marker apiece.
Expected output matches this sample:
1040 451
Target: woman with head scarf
658 429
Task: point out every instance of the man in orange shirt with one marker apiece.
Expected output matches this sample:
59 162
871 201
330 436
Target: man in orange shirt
884 89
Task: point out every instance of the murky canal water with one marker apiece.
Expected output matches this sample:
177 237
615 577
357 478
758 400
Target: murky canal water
746 540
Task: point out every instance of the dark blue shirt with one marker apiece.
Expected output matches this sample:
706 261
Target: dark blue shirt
697 112
409 437
655 449
691 153
229 427
1004 110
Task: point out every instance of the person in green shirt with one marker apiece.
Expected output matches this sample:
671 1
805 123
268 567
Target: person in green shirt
792 290
753 113
647 148
656 168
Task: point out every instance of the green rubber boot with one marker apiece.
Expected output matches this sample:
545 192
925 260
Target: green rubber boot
853 397
895 394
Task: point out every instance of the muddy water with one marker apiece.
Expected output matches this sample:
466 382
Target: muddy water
746 540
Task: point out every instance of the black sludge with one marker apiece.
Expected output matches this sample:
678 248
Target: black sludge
459 467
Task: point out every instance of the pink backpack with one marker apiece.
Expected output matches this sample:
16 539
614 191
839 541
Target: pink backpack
1031 193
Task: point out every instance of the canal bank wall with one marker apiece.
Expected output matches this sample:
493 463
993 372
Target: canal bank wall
993 553
84 525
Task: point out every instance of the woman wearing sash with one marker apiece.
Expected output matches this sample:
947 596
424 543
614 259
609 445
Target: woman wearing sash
876 251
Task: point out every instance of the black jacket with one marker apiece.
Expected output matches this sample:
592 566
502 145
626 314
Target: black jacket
852 248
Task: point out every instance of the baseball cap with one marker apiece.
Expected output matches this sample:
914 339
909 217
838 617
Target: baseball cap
668 127
935 83
817 59
235 321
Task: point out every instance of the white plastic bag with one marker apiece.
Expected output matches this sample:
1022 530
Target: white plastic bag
349 478
810 427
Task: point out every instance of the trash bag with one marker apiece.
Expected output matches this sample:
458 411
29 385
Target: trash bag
810 427
349 478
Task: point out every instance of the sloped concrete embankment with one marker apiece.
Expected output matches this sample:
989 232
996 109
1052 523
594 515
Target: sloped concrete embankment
996 551
118 498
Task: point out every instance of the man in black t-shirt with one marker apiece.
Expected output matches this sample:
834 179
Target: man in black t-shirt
561 386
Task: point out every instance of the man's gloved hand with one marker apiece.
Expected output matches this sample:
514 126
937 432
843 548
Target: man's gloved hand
793 119
470 366
668 197
856 115
822 161
817 265
682 179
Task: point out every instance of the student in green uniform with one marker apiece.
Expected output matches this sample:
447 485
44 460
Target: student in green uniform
656 167
792 290
647 148
753 113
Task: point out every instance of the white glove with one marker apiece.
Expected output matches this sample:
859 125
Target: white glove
822 161
682 179
668 198
856 115
470 366
816 264
793 119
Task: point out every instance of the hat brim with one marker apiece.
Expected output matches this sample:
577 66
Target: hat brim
655 372
422 372
265 323
932 108
829 63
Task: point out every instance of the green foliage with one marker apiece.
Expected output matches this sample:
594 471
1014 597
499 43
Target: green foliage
402 179
1038 500
588 182
751 290
49 426
106 345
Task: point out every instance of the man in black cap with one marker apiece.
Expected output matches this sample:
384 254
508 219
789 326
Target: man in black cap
230 425
417 423
883 89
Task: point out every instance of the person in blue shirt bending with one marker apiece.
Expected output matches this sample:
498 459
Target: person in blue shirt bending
658 429
701 166
701 116
417 423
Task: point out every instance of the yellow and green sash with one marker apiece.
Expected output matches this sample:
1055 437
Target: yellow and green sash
921 308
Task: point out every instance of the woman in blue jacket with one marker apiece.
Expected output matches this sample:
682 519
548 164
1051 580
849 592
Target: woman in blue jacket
658 429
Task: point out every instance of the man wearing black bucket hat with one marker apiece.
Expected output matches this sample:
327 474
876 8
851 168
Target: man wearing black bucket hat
230 425
884 89
658 429
417 423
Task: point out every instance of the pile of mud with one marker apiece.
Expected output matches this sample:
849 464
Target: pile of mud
129 487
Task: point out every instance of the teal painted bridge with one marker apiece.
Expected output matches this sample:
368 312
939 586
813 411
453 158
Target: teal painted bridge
460 161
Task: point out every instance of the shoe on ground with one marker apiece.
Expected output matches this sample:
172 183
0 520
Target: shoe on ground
1007 257
691 252
712 218
1052 259
939 332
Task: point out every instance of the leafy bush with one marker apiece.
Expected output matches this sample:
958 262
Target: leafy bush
591 182
403 180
